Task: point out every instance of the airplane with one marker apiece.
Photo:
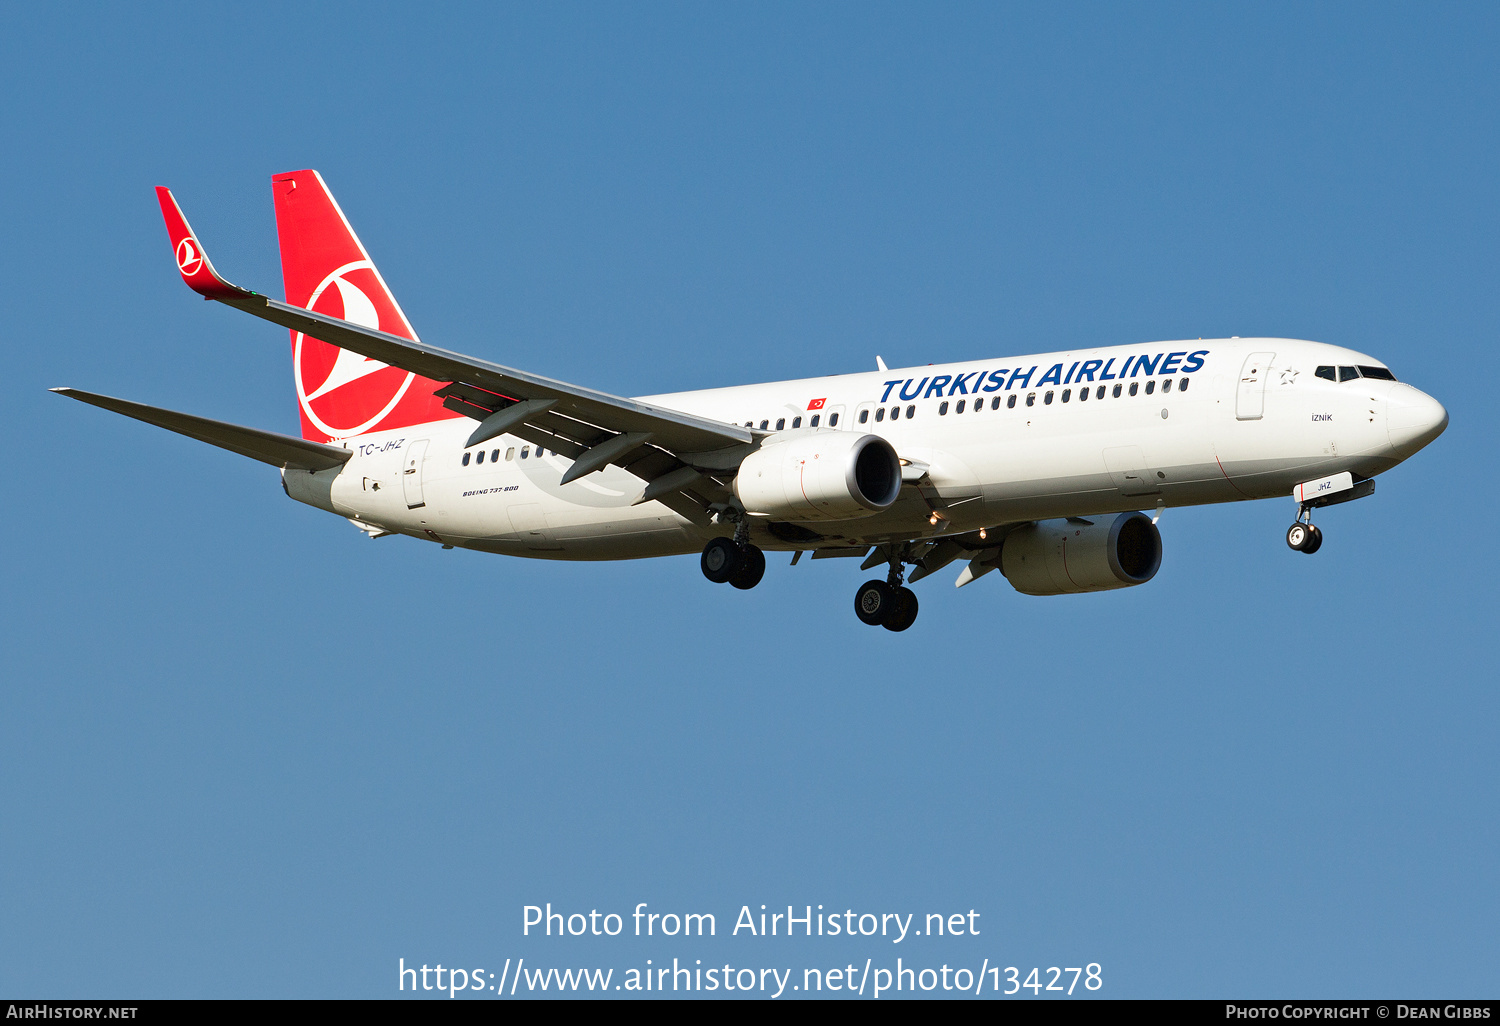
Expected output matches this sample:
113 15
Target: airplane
1038 466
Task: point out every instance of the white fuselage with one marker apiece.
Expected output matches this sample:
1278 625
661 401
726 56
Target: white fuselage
1243 419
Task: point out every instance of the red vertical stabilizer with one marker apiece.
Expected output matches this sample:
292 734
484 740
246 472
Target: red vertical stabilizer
326 269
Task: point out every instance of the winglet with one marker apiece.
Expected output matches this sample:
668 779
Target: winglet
192 261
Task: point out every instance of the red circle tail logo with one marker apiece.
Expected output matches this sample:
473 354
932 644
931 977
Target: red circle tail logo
341 392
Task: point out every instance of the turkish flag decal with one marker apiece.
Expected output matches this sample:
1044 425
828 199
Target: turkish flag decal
817 404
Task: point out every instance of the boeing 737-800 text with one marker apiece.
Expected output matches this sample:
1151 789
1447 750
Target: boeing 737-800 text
1037 466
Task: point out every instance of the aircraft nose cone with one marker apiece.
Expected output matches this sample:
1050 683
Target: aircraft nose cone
1413 418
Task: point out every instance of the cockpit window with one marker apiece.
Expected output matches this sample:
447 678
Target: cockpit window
1376 372
1348 373
1327 372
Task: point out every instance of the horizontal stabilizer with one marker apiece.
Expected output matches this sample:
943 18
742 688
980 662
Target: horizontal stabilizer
267 446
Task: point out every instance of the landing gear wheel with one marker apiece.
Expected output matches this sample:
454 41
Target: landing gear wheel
1297 537
873 602
903 610
721 558
752 567
1314 540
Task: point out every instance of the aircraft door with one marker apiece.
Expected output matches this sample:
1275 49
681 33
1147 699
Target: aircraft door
1250 398
411 474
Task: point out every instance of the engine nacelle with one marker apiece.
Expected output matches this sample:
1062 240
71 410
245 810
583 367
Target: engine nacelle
820 475
1064 557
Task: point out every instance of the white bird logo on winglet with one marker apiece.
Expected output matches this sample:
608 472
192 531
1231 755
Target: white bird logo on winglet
189 260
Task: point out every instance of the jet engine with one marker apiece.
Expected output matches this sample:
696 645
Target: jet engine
820 475
1064 557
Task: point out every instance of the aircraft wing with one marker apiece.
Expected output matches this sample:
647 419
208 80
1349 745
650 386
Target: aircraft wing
267 446
669 449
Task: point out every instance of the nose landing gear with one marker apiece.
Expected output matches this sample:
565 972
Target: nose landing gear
1304 538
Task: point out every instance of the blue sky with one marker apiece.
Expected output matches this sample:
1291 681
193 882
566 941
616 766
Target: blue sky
245 751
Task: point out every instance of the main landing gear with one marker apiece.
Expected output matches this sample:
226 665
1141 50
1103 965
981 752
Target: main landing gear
735 562
887 603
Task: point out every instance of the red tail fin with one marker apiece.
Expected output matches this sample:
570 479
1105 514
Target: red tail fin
326 269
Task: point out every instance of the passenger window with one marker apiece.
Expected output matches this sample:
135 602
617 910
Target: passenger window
797 421
1100 393
480 457
1117 391
895 413
942 409
1083 394
995 402
911 411
466 459
1047 399
880 415
1166 386
978 405
763 424
510 454
833 420
1134 386
526 451
1326 372
1030 398
1067 394
1182 385
1010 404
494 455
780 423
1348 373
864 416
960 407
1150 386
1379 373
815 419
